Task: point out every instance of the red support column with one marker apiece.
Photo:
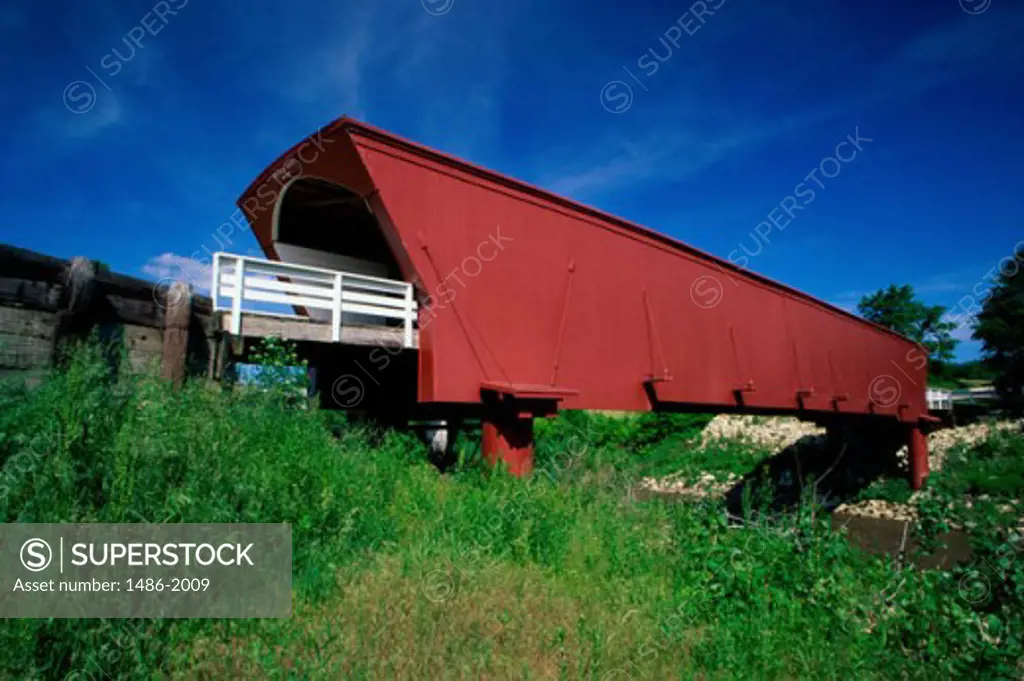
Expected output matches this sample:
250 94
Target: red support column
917 453
508 437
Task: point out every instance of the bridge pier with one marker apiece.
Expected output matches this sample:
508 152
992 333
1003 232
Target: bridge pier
917 453
507 437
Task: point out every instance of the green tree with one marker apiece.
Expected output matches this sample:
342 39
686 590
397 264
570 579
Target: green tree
1000 328
279 367
898 308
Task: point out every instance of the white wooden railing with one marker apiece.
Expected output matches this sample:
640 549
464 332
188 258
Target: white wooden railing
312 288
939 400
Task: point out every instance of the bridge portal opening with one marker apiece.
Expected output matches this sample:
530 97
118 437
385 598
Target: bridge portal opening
326 225
322 224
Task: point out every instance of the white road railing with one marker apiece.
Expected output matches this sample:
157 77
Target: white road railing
312 288
939 400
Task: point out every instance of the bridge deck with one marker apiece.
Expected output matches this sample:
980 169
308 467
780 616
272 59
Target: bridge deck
337 307
305 329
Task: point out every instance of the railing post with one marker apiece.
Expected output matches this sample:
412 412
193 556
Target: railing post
336 312
215 281
236 302
408 316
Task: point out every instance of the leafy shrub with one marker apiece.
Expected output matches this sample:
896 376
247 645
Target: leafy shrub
970 493
278 366
645 443
88 447
995 466
895 490
400 572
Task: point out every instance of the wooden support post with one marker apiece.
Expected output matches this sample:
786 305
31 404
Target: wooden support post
216 341
212 353
917 453
223 356
178 311
508 437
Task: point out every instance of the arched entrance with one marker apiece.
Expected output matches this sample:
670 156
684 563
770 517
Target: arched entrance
323 224
319 223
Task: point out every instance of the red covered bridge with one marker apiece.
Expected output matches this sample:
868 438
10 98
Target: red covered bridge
529 302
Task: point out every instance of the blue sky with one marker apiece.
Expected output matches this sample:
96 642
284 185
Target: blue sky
702 138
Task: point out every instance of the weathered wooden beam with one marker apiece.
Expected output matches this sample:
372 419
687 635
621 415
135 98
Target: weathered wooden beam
27 323
45 300
24 352
31 279
34 295
79 281
258 326
24 264
130 310
177 300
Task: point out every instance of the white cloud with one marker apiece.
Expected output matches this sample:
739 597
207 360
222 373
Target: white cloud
102 110
179 268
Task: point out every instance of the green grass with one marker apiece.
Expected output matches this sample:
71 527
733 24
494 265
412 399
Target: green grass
895 490
400 572
994 467
648 444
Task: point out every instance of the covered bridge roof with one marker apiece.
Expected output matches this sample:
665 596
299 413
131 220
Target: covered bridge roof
529 290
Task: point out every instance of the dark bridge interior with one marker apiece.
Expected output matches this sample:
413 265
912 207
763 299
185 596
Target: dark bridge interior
323 216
